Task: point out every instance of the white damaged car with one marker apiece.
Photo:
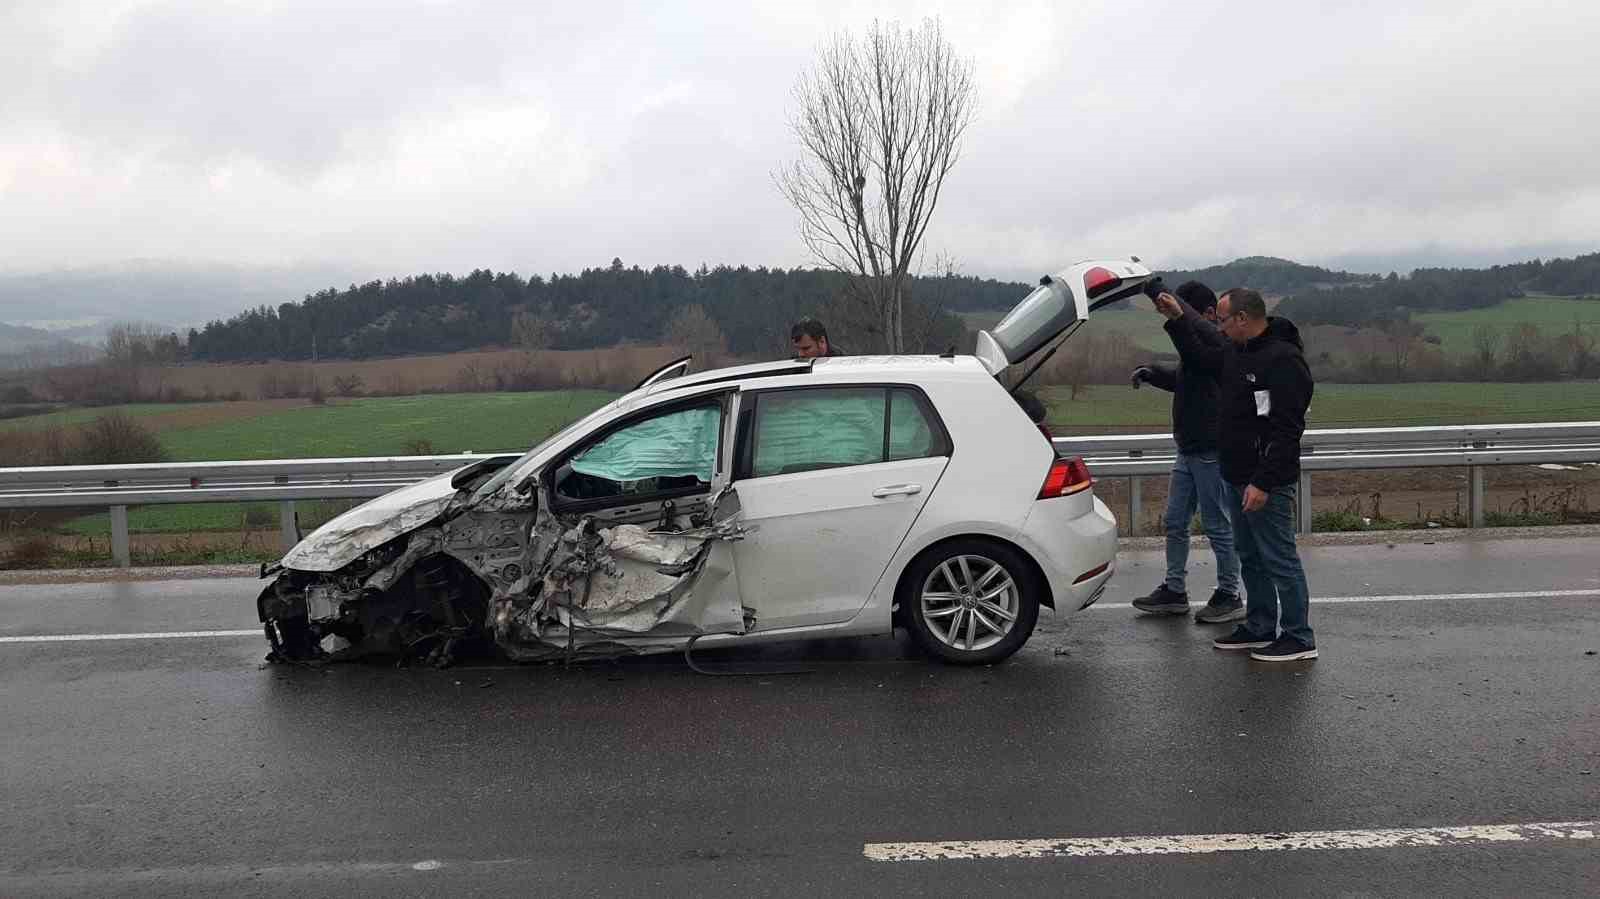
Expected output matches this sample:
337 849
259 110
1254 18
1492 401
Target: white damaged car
790 500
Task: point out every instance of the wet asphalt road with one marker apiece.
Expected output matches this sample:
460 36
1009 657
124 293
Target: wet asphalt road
182 766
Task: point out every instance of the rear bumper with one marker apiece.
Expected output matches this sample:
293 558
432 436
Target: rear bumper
1077 552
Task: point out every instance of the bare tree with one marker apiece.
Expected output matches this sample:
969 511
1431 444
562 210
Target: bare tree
696 331
880 123
532 329
1485 345
1402 335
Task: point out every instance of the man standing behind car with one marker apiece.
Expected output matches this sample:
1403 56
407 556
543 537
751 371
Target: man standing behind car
1264 388
1196 480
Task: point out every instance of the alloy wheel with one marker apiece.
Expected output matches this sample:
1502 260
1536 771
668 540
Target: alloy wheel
970 602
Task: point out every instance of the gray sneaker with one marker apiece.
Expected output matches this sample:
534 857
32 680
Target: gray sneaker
1222 608
1162 601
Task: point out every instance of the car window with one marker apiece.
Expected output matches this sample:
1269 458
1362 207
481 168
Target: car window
672 451
911 434
804 430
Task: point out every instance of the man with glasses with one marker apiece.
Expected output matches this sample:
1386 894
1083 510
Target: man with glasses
1264 388
1196 481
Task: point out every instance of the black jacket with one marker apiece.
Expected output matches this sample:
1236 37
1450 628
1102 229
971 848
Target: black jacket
1264 390
1194 404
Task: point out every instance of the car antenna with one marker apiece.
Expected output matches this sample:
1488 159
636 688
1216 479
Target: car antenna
950 353
1046 357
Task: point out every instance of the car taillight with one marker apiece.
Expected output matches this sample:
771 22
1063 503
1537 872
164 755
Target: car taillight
1100 280
1066 477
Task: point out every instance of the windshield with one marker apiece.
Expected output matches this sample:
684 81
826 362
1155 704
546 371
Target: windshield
506 474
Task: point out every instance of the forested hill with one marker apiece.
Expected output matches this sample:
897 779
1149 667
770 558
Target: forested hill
752 307
1268 274
599 307
1432 289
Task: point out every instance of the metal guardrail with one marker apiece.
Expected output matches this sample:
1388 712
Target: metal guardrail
1134 456
1357 449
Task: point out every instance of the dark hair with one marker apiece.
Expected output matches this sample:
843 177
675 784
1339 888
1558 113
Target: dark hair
1246 301
807 327
1196 295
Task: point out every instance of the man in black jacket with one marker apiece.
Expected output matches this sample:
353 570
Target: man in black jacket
1264 390
1196 481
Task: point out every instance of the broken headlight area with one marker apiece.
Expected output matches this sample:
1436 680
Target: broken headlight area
432 612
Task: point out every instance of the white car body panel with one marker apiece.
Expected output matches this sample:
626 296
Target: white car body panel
817 537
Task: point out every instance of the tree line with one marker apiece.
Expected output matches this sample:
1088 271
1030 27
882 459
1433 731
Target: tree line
1435 289
751 309
747 311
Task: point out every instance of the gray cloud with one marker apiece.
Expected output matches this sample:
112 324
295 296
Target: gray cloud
550 136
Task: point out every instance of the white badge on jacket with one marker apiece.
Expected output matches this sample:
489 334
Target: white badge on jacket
1263 402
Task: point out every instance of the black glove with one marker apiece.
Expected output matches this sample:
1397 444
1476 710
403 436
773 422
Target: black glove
1141 375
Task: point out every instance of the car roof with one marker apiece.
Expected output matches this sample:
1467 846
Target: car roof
825 370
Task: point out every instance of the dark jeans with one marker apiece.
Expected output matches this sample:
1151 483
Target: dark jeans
1197 481
1274 580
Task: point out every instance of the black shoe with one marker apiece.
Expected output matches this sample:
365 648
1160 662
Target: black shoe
1162 601
1241 638
1285 649
1222 608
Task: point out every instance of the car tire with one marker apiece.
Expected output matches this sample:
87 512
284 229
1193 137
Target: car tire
955 598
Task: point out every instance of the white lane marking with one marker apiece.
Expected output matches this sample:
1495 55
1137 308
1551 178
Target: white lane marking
1090 847
155 635
1412 597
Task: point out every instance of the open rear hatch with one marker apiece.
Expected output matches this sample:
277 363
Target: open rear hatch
1059 302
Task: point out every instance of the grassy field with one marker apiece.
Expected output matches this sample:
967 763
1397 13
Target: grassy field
1110 409
514 421
449 423
1553 315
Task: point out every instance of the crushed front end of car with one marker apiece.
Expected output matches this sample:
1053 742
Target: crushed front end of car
436 571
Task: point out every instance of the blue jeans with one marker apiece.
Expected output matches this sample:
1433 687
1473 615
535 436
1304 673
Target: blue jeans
1274 580
1197 480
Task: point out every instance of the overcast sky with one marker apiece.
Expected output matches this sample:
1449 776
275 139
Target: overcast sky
400 137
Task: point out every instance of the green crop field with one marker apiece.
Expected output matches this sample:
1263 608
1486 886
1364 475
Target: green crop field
68 417
377 426
1109 409
1553 315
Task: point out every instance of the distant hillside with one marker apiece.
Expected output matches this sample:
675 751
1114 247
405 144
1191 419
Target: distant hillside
1268 274
16 337
749 309
1440 289
172 293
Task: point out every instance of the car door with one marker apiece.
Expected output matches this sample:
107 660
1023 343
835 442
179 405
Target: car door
830 481
658 469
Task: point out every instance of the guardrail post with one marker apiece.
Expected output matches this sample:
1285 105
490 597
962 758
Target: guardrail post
1475 496
1135 503
1302 507
288 526
119 537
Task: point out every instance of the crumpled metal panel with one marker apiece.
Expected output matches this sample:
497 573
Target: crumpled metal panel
558 585
370 525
